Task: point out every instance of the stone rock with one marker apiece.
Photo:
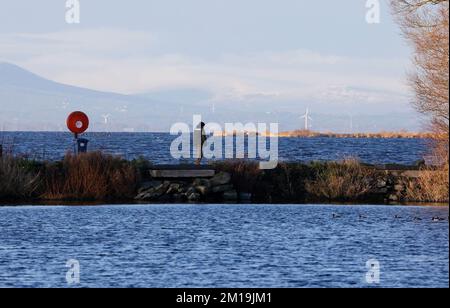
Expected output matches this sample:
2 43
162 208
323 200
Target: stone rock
230 196
148 185
381 184
173 188
190 190
203 190
202 182
393 198
194 197
154 193
222 178
222 188
140 196
245 196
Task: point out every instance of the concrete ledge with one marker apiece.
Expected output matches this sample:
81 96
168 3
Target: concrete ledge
182 173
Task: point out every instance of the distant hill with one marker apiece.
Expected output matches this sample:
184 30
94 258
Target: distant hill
30 102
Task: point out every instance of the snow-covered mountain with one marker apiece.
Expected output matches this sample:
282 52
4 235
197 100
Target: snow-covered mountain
30 102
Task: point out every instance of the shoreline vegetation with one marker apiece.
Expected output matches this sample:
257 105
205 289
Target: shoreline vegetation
98 177
313 134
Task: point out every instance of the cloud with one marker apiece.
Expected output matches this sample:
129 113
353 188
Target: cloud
130 62
110 42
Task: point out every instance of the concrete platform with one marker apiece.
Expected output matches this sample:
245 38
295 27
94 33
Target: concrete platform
181 171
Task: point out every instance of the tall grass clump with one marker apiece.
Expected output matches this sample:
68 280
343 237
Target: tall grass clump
245 174
432 185
91 176
17 179
342 181
286 183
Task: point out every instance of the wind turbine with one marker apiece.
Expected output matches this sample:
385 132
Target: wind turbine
65 104
307 119
351 123
106 118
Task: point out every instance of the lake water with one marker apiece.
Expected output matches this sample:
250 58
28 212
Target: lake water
156 147
223 246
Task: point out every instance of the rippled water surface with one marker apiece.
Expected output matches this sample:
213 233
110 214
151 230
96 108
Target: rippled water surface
223 246
156 147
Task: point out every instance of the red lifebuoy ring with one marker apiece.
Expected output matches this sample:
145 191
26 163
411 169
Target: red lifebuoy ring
78 122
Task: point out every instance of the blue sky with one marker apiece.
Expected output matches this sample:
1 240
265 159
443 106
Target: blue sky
320 54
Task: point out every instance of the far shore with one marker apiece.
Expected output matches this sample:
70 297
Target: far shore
285 134
313 134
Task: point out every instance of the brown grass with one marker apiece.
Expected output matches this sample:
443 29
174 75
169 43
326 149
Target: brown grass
92 176
433 183
380 135
245 174
347 180
431 186
15 180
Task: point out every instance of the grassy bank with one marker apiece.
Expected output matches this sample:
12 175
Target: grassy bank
105 178
94 177
343 181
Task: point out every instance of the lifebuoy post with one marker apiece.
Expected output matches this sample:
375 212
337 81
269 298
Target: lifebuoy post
78 123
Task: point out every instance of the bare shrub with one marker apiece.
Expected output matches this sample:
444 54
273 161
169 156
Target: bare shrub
433 182
346 180
431 186
92 176
16 181
425 24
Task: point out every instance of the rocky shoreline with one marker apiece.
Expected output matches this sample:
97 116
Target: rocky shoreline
389 187
217 188
101 178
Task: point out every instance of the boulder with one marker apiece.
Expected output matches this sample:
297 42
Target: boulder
222 188
393 198
141 196
230 196
202 182
203 190
173 188
190 190
148 185
194 197
222 178
154 193
381 183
